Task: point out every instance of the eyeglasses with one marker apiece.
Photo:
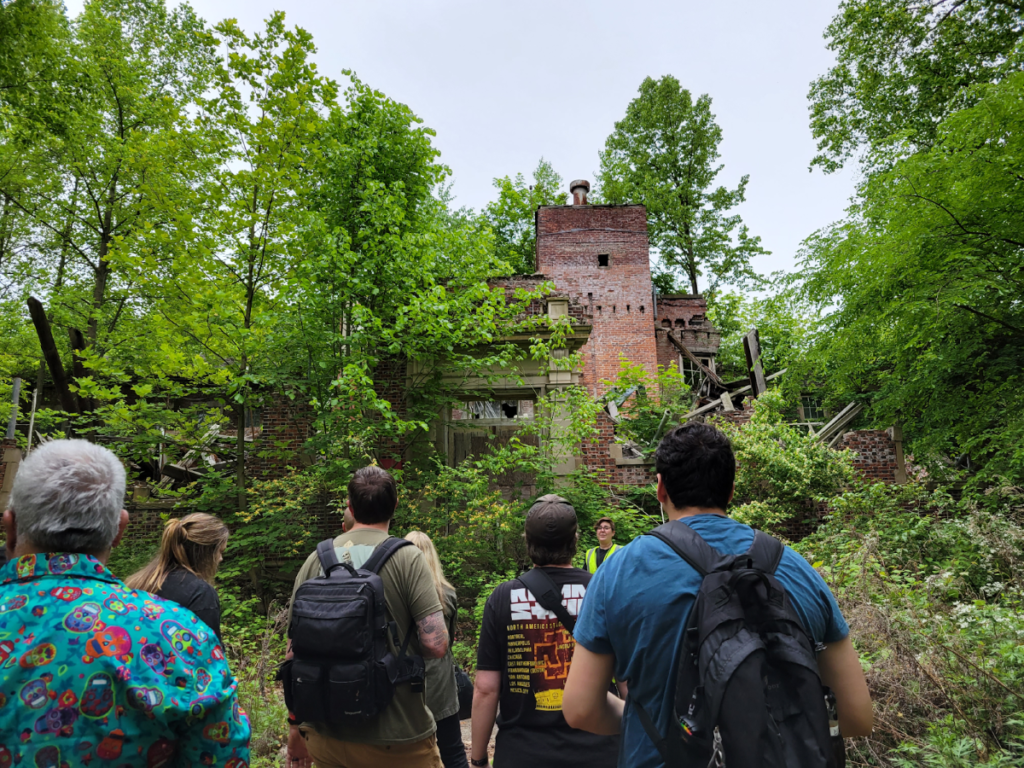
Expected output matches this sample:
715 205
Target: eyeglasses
604 528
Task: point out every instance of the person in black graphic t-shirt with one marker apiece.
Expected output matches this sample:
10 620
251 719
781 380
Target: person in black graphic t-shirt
524 656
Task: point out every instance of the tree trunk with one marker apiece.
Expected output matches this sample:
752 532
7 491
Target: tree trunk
99 288
240 465
77 369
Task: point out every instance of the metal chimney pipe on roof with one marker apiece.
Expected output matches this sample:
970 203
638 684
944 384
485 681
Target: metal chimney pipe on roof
579 189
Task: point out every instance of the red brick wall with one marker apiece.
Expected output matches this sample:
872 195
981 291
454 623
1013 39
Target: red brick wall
579 311
668 353
678 311
284 421
618 297
874 454
147 523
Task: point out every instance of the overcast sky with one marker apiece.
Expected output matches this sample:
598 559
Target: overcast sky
505 84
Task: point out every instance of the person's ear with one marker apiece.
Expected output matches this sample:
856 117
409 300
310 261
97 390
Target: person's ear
11 529
662 493
732 492
122 526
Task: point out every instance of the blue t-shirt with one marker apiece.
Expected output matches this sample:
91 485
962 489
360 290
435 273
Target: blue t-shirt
637 605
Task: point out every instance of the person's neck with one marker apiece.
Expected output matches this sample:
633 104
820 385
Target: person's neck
604 545
554 565
24 548
370 526
677 514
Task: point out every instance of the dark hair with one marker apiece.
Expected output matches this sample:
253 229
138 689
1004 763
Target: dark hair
373 495
696 465
547 552
605 520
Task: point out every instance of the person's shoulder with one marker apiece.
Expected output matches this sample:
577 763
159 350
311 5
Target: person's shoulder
504 589
640 547
794 565
404 559
577 575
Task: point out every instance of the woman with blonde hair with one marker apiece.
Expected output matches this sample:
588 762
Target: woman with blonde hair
183 570
440 686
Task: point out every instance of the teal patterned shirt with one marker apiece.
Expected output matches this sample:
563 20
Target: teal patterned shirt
94 674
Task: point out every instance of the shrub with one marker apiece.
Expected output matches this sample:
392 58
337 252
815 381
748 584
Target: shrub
782 473
933 590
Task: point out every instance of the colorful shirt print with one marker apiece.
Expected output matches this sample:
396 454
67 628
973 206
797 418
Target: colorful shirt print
91 670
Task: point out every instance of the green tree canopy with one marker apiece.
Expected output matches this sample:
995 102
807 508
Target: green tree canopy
511 216
922 288
664 154
901 67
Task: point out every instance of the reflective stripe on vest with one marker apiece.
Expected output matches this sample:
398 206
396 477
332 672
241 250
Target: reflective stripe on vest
592 557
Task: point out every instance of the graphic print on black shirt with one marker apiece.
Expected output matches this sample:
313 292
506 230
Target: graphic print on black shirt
533 651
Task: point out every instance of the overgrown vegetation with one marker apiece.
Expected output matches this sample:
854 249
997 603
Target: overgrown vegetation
211 224
932 589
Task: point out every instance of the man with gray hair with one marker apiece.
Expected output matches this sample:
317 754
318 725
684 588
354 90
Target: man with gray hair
88 668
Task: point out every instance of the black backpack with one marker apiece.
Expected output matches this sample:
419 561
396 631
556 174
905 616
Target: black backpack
748 691
342 671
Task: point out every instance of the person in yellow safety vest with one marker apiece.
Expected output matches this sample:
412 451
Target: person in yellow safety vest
605 529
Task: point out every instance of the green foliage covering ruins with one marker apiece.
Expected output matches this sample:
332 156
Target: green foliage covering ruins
211 224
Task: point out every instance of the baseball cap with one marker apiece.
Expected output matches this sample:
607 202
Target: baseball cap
551 518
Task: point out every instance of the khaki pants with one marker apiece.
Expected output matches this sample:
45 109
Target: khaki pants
331 753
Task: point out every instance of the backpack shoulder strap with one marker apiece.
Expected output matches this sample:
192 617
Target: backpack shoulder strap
766 552
383 551
548 595
327 556
688 544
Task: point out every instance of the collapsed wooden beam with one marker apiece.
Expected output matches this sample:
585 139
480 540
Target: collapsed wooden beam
832 431
752 350
68 401
707 371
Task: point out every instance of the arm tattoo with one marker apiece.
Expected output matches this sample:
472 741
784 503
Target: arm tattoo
433 635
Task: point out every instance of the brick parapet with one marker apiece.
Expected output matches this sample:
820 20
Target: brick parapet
579 312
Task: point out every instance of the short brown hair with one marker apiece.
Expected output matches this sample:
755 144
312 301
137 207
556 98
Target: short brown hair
605 520
548 552
373 495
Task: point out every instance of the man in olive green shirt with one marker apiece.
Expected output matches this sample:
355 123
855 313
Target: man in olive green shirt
403 734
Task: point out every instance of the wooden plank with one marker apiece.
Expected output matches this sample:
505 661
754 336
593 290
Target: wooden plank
12 423
727 402
752 350
744 390
68 402
703 409
707 371
830 432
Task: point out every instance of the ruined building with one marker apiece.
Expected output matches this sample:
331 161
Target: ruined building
598 258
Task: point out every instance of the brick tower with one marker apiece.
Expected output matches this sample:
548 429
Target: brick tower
600 254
